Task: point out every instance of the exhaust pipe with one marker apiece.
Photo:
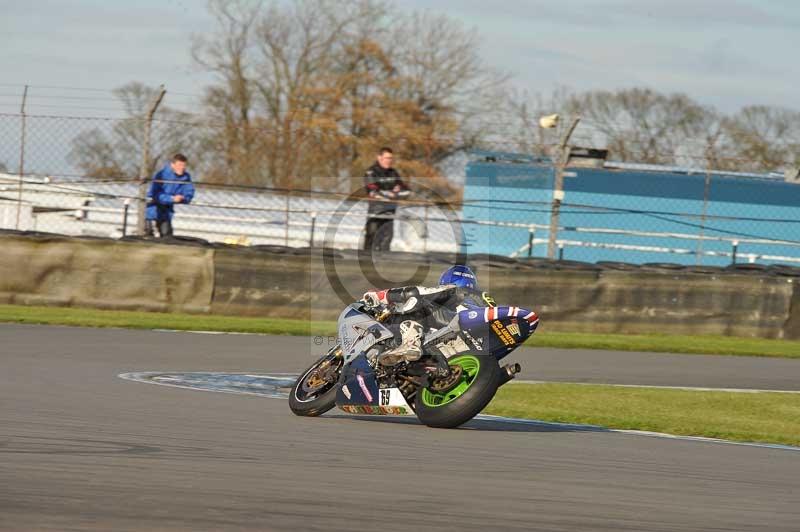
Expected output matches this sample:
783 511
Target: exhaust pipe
508 372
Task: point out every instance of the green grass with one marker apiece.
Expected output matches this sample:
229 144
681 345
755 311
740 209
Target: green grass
752 417
661 343
82 317
716 345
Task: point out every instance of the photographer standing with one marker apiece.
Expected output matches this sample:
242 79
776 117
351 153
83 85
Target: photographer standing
383 185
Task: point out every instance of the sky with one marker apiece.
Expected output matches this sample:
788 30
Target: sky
725 53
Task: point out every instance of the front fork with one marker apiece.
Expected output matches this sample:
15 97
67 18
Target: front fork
442 366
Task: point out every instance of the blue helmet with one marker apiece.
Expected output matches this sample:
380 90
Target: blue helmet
459 275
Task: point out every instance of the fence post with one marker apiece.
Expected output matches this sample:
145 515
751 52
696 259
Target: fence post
313 224
701 232
125 208
426 231
735 249
562 155
561 252
531 235
21 156
144 168
287 219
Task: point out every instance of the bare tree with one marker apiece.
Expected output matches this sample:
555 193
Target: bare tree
637 125
116 153
228 54
324 83
642 125
279 61
445 77
701 141
94 154
521 111
763 138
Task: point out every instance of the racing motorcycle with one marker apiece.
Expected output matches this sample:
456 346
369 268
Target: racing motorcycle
456 377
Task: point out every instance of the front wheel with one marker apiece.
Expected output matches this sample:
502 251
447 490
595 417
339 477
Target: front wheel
314 393
475 389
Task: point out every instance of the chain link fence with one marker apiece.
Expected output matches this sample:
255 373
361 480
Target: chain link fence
83 176
242 215
633 213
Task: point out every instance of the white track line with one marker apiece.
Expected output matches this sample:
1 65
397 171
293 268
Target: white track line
212 332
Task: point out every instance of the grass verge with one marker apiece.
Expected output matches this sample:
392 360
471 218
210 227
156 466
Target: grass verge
661 343
82 317
713 345
750 417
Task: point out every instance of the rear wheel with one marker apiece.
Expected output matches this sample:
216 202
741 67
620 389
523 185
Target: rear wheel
314 393
464 400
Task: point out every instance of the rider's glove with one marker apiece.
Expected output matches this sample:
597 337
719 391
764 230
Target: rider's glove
375 298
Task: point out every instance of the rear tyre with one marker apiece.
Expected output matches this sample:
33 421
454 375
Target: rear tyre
314 393
476 388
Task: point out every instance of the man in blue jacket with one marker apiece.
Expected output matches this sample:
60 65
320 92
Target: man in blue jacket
172 184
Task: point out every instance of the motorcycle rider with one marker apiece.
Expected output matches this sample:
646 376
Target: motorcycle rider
428 308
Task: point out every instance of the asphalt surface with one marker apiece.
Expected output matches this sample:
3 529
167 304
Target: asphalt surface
81 449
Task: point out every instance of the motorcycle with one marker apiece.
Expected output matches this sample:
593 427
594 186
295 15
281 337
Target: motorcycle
456 377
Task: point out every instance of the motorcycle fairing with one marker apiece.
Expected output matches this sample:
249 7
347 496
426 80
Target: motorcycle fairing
358 332
497 330
360 394
392 403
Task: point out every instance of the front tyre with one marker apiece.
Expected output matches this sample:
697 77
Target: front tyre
314 393
476 388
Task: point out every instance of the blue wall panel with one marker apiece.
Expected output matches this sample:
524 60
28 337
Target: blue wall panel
654 201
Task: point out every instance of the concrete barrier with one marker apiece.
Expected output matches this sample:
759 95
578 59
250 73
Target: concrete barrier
306 284
314 284
104 273
583 300
608 301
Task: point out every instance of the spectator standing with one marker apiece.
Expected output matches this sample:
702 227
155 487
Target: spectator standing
172 184
383 185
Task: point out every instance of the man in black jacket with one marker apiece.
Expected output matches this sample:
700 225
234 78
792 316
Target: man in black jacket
383 185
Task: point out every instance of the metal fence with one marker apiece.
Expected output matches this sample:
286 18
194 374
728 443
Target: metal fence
634 213
240 215
611 212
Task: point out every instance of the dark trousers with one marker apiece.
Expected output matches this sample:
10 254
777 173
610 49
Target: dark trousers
164 228
378 233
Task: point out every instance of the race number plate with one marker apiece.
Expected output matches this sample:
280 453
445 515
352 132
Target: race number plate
390 402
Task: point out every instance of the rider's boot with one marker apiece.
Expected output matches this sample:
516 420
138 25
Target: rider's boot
410 348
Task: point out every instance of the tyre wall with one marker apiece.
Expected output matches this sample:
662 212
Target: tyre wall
313 284
104 273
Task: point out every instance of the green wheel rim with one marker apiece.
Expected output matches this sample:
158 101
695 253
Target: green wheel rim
470 366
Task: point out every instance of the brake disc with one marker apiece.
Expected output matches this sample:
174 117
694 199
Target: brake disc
444 384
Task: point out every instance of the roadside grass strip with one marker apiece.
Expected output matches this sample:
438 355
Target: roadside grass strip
655 343
662 343
743 417
83 317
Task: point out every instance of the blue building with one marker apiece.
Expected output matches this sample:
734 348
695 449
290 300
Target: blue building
631 213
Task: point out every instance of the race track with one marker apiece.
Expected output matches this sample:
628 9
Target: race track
81 449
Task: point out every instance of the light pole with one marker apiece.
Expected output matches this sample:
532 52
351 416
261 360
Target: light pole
562 158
